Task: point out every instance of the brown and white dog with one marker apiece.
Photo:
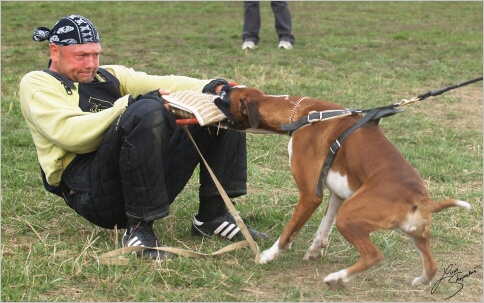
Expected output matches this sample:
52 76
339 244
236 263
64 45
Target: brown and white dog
372 186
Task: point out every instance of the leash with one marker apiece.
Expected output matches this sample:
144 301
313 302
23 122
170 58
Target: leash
315 116
115 257
228 202
373 115
436 92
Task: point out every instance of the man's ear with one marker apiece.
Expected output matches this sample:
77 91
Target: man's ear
54 52
251 110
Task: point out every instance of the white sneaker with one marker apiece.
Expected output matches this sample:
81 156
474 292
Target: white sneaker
284 44
248 45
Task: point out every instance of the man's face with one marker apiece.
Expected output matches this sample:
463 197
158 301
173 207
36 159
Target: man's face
78 63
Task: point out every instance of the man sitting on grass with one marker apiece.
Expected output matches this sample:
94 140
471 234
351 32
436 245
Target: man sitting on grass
108 145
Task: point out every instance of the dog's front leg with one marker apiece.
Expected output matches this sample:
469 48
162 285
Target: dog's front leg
322 235
269 254
304 209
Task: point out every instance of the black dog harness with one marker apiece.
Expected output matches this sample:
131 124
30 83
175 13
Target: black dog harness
372 115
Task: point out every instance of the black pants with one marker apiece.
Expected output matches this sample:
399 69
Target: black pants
252 21
144 162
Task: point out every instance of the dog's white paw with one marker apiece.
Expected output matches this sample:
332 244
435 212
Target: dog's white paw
337 279
419 281
267 256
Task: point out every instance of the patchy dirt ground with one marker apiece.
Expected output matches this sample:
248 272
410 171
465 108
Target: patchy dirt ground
460 108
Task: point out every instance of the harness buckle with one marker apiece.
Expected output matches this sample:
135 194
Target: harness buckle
312 120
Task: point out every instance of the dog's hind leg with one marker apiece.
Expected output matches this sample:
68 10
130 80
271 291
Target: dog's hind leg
417 226
370 255
355 220
322 235
430 265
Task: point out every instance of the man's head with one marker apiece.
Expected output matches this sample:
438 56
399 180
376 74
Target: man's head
74 47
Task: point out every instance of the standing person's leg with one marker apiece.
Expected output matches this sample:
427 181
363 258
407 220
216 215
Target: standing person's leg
252 22
283 21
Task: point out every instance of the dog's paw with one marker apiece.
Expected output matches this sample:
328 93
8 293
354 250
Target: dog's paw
335 283
420 281
337 280
267 256
312 255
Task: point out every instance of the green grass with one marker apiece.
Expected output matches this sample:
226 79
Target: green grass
358 54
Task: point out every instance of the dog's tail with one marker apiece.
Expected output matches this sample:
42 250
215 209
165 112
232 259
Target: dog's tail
434 207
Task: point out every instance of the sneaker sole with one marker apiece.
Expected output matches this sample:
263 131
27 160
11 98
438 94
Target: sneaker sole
155 254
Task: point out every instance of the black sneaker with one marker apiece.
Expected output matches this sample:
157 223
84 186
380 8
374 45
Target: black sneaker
143 235
225 227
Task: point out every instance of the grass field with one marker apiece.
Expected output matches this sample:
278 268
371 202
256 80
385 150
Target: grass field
358 54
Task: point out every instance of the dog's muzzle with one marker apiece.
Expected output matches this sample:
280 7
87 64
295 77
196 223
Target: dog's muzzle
223 103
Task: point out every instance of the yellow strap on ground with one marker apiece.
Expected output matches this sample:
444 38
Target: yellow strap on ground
116 257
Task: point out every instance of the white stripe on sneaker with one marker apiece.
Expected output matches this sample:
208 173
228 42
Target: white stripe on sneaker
196 222
228 230
233 233
221 227
134 242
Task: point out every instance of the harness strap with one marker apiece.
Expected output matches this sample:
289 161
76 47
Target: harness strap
108 76
69 85
317 116
373 115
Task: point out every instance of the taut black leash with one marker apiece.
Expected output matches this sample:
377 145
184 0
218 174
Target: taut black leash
445 89
436 92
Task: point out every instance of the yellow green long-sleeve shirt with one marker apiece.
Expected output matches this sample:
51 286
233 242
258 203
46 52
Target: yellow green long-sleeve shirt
60 129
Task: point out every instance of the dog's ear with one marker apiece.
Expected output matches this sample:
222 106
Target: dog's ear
251 110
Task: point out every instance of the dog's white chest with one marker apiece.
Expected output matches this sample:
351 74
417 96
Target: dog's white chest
338 184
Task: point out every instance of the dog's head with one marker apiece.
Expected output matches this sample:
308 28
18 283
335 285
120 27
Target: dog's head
240 106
